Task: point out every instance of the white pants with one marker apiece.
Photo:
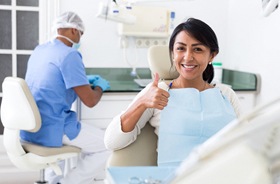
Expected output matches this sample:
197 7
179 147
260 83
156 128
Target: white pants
93 158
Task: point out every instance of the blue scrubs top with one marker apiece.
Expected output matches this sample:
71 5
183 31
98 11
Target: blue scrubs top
52 72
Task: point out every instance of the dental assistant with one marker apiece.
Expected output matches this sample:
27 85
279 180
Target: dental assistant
56 77
185 112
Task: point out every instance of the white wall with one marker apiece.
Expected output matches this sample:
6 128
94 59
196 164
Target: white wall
253 45
248 41
100 43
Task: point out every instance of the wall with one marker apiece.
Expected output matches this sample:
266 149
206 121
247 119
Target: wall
100 43
248 41
253 45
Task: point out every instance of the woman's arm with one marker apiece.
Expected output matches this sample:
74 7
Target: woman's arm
125 127
153 97
115 138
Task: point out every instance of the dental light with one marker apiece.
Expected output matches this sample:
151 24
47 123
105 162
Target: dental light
269 6
119 10
115 12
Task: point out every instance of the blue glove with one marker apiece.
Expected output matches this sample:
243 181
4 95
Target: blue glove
92 78
102 83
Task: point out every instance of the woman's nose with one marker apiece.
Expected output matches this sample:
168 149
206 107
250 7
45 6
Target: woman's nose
188 56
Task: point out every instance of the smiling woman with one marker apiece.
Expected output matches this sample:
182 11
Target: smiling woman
186 111
192 49
190 58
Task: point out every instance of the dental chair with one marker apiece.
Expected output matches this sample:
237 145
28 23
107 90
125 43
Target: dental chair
20 112
143 151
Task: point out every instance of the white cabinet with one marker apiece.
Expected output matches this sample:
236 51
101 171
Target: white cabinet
110 105
247 100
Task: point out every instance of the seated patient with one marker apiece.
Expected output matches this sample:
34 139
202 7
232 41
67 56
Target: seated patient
186 111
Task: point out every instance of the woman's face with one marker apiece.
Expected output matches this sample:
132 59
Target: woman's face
190 56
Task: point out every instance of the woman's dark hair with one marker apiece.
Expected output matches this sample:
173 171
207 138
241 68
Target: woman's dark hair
203 33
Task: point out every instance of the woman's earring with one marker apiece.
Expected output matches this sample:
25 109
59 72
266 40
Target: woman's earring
210 63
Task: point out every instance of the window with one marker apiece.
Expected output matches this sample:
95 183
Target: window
21 31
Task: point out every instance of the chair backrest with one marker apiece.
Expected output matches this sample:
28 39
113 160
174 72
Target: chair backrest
159 62
18 112
19 109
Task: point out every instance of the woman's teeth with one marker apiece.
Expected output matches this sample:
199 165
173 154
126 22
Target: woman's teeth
188 66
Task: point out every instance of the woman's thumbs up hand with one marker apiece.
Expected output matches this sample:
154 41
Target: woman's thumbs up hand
156 97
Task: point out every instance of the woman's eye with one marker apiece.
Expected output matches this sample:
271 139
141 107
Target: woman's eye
180 48
197 49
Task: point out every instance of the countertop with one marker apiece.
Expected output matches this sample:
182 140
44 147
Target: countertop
121 79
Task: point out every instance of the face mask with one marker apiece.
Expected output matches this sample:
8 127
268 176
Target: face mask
77 45
74 44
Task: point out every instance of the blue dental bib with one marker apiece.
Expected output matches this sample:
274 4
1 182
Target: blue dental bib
189 119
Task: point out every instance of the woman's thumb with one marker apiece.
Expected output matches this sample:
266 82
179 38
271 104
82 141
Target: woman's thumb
156 79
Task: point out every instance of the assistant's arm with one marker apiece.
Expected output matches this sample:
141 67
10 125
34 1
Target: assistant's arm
90 97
